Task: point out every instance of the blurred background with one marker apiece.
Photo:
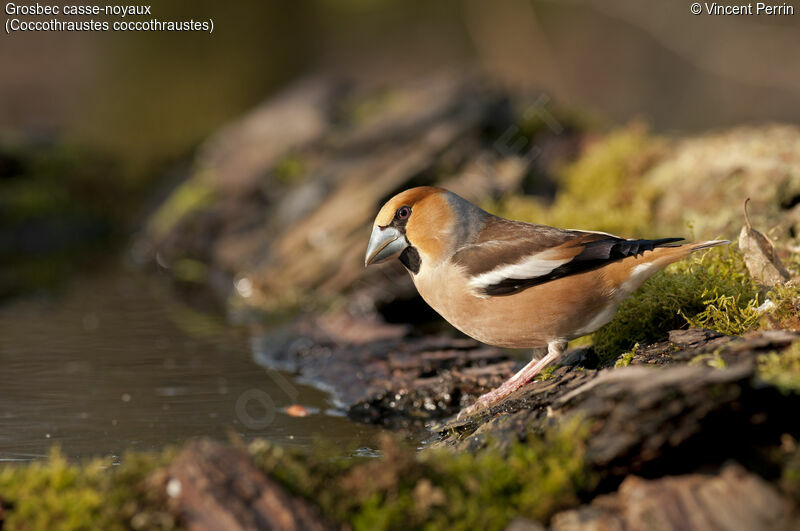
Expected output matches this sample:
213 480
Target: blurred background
95 120
97 128
145 98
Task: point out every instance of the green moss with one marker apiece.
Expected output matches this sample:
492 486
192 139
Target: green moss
713 360
438 489
403 488
52 180
544 118
534 480
627 358
547 373
192 195
603 190
190 270
28 199
785 311
790 475
792 261
728 314
624 360
685 293
362 108
782 369
57 494
290 169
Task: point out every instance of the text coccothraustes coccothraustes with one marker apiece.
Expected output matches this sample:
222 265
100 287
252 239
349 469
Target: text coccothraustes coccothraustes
509 283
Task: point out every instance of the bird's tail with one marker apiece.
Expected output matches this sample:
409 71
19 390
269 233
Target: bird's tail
668 254
705 245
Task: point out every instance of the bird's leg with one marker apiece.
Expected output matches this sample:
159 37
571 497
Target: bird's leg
554 351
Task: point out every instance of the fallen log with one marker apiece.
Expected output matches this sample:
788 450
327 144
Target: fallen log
212 486
732 500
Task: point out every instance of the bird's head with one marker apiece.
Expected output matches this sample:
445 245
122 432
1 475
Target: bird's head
419 223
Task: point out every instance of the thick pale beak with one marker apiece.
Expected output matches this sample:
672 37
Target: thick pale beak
385 243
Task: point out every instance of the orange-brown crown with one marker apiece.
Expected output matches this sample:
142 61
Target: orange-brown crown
410 198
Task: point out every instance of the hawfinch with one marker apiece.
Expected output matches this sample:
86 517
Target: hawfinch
509 283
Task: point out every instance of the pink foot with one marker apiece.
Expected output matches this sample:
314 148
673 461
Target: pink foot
523 377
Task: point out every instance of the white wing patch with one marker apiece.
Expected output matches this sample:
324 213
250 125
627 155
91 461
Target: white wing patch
533 266
636 278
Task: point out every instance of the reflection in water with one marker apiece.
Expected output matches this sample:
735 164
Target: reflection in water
116 364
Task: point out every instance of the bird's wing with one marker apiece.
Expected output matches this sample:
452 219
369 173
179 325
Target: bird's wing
510 256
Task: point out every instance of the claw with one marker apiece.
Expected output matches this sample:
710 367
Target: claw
479 404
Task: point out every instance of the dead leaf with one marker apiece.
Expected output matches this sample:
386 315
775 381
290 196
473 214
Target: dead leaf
296 410
759 255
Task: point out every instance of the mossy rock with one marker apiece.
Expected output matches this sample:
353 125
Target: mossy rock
439 489
602 190
58 494
782 369
705 179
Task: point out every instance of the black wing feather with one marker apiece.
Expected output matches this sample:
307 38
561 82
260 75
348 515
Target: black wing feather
594 255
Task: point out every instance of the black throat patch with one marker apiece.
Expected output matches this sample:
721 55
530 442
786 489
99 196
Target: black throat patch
410 258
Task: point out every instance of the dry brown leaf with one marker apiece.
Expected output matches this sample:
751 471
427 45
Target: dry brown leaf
296 410
759 255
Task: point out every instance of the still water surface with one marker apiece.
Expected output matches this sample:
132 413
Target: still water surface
116 363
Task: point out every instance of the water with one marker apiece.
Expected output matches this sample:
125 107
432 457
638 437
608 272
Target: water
117 363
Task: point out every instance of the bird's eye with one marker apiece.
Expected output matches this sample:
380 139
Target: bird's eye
403 212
